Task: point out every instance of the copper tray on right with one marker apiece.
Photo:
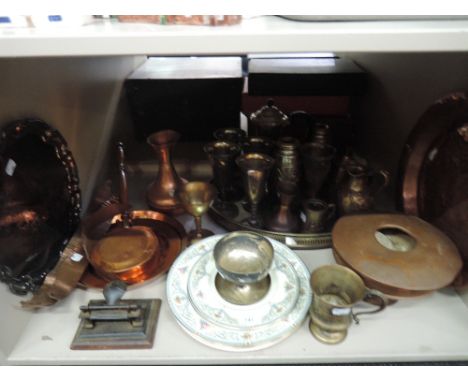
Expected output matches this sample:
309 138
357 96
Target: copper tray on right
434 171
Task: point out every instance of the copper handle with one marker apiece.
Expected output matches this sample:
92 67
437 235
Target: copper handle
382 304
123 185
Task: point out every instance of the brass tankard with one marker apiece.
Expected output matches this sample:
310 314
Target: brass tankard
336 289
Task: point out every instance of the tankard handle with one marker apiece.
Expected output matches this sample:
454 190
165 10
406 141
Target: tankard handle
371 293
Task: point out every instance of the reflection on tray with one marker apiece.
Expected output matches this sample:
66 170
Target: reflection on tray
234 216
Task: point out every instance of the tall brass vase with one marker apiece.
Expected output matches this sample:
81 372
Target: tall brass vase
162 192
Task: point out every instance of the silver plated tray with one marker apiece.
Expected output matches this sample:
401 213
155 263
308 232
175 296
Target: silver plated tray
223 334
292 240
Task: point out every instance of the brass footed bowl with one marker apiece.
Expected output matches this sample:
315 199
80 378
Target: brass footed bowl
243 260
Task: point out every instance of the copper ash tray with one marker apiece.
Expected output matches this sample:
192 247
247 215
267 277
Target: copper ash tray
170 234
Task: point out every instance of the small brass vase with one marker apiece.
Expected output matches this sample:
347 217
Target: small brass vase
196 197
284 217
162 192
255 170
287 166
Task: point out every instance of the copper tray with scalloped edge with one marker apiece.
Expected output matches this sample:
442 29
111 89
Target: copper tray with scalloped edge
40 202
434 171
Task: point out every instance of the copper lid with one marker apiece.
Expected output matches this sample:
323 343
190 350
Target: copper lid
124 249
399 252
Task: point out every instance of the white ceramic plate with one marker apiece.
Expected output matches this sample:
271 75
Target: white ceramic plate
216 333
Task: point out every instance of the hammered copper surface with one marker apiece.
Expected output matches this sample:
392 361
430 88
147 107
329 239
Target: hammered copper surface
434 171
430 262
39 202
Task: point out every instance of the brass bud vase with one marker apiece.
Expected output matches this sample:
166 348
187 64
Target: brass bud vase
283 216
162 192
255 172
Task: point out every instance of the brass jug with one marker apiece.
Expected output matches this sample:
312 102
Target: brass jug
357 191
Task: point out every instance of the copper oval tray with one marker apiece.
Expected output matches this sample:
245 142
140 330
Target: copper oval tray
39 202
434 171
172 240
292 240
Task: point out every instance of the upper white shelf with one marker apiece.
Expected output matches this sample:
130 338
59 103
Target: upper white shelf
265 34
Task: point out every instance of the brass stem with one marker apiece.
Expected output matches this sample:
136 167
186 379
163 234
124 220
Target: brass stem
198 226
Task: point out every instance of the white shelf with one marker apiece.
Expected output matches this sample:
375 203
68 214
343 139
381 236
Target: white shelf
432 328
265 34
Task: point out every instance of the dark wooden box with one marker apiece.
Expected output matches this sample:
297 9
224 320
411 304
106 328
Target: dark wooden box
193 95
305 76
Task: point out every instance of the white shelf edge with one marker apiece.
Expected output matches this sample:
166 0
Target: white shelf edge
266 34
